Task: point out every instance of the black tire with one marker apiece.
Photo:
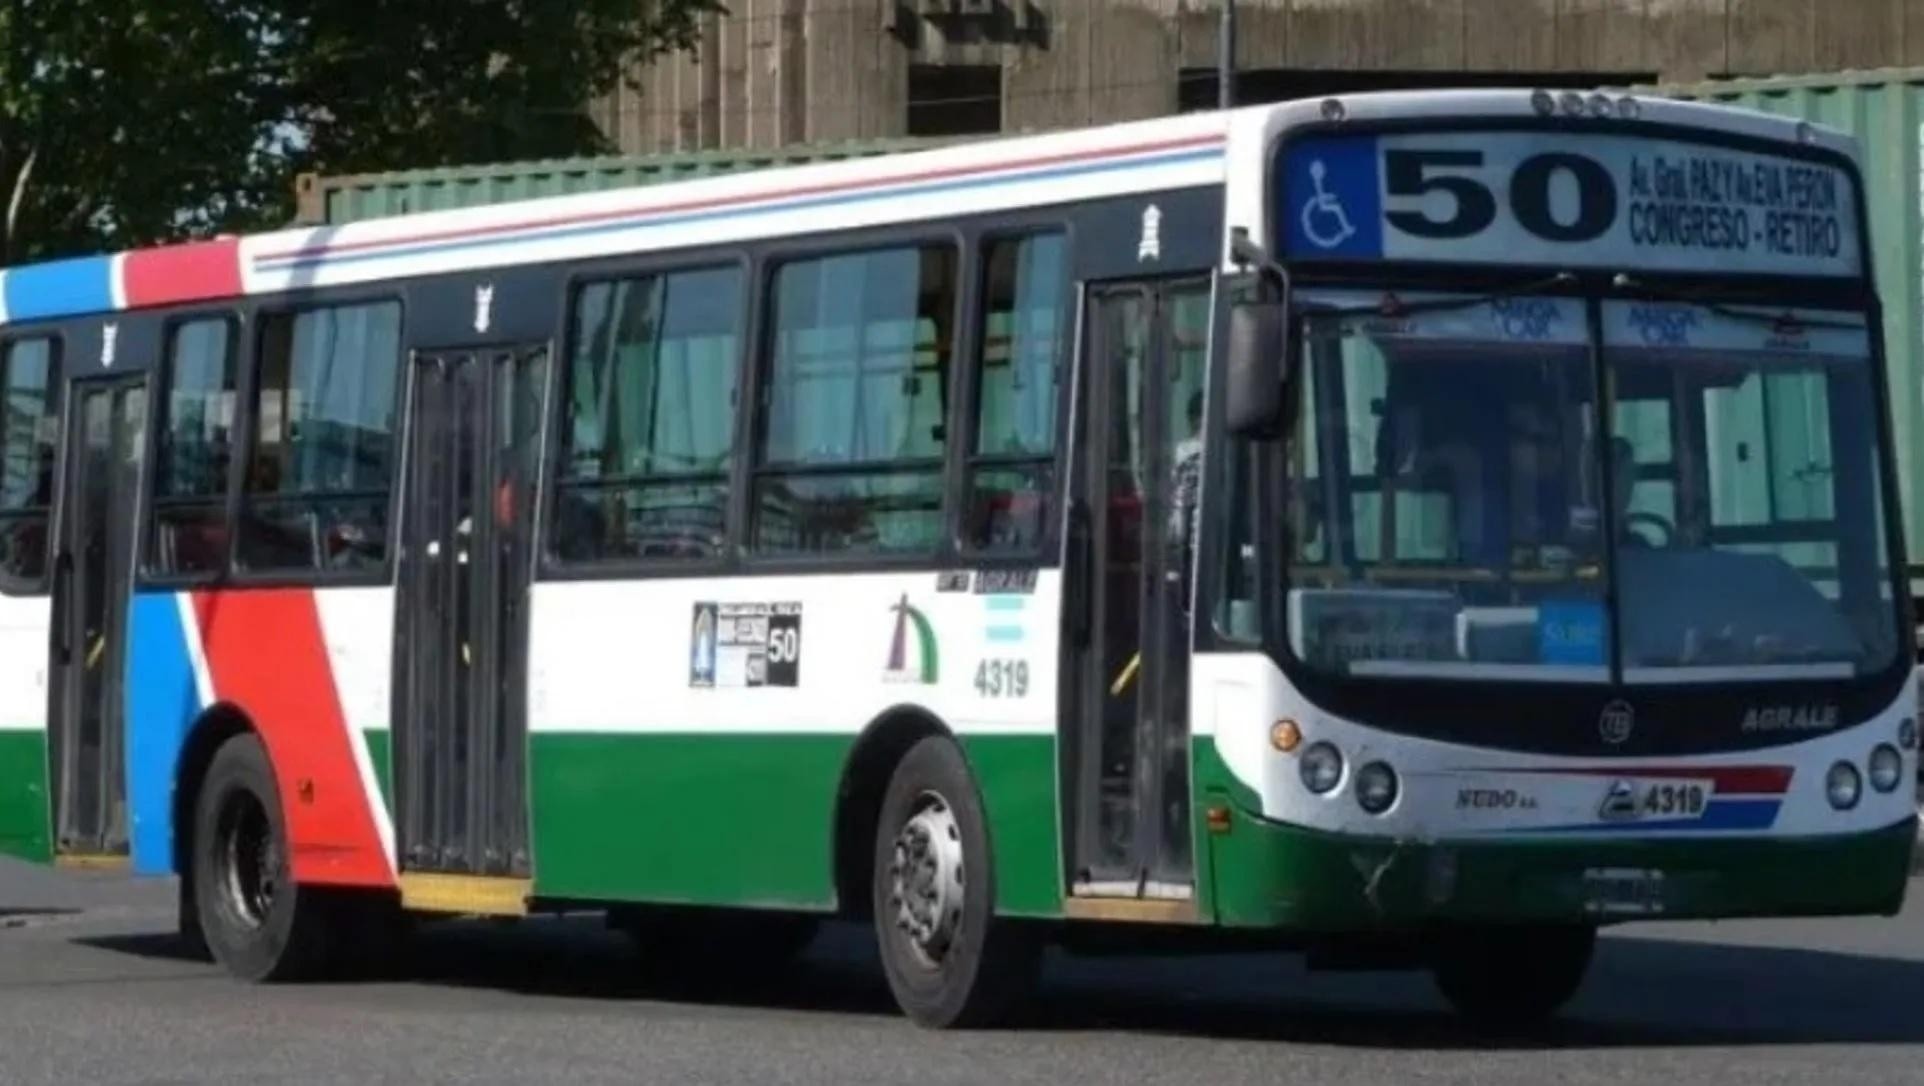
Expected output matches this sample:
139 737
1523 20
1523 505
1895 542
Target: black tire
257 922
1510 978
193 942
987 968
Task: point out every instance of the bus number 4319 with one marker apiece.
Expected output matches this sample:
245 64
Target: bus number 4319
1002 678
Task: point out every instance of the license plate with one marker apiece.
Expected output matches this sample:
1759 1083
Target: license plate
1633 801
1625 891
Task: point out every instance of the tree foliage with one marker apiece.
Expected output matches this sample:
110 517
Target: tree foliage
126 122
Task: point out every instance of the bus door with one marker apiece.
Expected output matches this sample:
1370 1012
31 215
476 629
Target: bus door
93 567
461 627
1132 518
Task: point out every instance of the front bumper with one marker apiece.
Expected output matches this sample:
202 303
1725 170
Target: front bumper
1265 874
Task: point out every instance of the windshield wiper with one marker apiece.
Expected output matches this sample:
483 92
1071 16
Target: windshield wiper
1443 305
1623 281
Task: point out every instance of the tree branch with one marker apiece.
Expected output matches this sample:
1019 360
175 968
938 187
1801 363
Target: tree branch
17 200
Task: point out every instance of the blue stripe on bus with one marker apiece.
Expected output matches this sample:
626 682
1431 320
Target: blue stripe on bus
62 288
1003 635
644 221
1006 603
162 702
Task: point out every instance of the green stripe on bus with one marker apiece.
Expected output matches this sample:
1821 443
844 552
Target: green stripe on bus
1017 775
380 753
749 819
23 796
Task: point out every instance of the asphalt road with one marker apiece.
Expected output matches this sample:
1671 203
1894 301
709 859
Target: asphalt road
92 991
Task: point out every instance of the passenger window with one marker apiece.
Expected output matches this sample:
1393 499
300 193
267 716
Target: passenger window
651 393
29 434
852 431
316 494
1018 379
190 532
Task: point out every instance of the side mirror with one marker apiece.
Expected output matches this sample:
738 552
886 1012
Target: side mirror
1261 363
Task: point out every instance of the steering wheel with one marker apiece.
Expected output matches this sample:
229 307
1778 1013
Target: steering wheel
1668 529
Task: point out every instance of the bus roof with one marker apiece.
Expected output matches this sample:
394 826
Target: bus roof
940 183
965 179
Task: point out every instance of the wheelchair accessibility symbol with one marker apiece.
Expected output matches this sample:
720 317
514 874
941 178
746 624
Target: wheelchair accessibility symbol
1323 219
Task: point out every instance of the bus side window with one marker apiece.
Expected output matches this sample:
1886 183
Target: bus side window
190 532
1017 378
852 424
321 465
650 389
29 431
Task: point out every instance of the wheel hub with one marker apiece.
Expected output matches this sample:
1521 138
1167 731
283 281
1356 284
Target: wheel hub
925 879
252 859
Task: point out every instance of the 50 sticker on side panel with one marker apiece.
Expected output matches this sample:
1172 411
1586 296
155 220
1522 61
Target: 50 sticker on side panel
745 644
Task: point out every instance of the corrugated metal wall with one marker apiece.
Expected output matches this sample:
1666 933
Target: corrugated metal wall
1885 111
351 198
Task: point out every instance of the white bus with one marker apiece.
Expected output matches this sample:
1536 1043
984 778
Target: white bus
1417 528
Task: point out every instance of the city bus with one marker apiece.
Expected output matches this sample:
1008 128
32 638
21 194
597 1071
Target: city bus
1418 530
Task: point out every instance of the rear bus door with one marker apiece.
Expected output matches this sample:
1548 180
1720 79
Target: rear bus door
93 565
461 627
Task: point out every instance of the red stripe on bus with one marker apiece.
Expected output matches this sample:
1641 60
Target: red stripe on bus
268 658
584 218
1753 780
183 273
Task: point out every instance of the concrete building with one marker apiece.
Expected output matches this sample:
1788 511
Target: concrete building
775 72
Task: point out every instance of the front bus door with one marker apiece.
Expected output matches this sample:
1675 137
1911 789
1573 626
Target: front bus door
461 628
93 576
1139 419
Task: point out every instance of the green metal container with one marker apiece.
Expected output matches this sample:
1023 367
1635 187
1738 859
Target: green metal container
331 201
1884 109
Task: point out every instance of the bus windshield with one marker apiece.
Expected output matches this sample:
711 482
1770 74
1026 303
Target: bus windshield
1458 509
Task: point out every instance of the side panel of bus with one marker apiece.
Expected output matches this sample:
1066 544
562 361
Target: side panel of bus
693 710
29 438
690 736
24 627
308 670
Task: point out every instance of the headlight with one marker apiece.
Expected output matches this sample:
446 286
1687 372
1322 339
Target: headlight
1322 768
1907 734
1843 784
1887 768
1376 787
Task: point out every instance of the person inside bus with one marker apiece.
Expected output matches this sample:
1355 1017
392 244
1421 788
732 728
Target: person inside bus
1185 490
1623 480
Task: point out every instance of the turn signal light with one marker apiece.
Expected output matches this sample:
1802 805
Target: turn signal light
1218 819
1285 736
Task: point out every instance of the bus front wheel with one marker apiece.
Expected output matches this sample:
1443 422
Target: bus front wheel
951 962
1513 977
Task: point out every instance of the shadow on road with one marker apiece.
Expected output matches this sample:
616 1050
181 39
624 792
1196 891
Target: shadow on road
1641 992
155 946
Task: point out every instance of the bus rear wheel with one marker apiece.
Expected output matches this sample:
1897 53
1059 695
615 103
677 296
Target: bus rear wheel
950 962
1513 977
257 922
